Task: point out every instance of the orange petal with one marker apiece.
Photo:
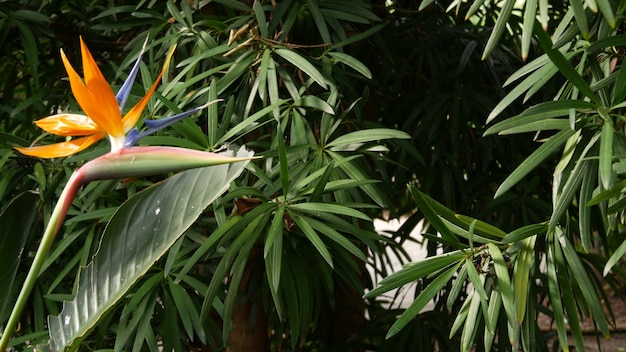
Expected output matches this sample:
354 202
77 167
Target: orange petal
68 125
132 116
62 149
103 110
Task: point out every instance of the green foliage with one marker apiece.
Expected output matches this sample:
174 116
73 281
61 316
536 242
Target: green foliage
510 113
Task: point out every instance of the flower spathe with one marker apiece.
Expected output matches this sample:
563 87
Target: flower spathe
103 110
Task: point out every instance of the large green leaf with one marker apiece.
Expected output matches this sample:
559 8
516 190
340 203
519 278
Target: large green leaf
138 234
16 222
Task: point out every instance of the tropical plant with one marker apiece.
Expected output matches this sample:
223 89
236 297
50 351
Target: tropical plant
560 263
300 215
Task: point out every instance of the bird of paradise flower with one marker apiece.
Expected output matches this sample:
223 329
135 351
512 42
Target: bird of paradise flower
103 118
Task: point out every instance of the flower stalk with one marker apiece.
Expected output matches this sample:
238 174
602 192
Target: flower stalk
103 118
125 162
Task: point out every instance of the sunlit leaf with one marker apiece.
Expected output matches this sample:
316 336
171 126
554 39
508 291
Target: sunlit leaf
523 269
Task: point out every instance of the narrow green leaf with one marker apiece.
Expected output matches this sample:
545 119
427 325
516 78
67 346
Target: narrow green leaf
587 288
322 183
213 115
245 126
424 297
584 212
272 86
312 101
29 43
337 237
302 64
424 206
543 72
319 19
476 5
555 297
619 88
499 27
468 234
310 233
482 227
564 198
604 196
16 222
504 283
368 135
352 62
523 267
564 66
493 312
238 268
462 315
173 10
607 11
235 5
355 173
614 258
524 232
261 22
606 155
415 271
471 324
580 16
530 15
457 286
282 159
543 14
478 282
543 125
275 230
274 264
181 300
262 77
317 208
565 284
536 158
358 37
142 230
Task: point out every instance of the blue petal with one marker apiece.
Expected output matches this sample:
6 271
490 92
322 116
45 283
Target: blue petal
124 92
132 137
156 125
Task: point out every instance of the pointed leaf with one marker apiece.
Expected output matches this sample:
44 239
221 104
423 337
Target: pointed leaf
423 204
140 232
424 297
352 62
536 158
606 154
16 222
369 135
504 283
415 271
310 233
302 64
564 66
523 266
